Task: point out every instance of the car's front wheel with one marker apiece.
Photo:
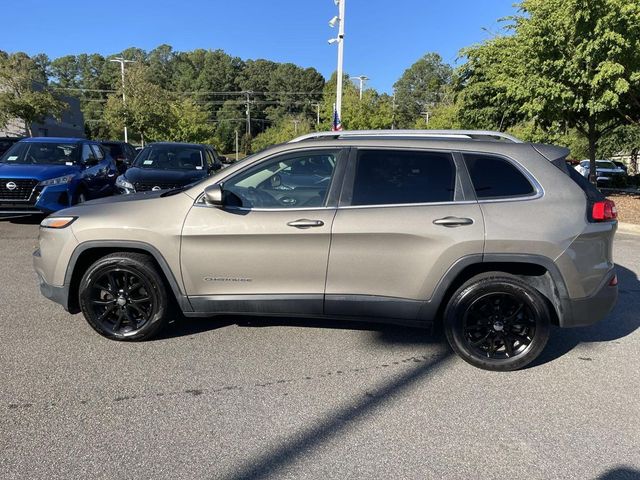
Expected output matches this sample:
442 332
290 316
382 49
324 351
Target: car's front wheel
123 297
495 321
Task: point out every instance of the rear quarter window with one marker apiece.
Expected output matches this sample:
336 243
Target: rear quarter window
495 177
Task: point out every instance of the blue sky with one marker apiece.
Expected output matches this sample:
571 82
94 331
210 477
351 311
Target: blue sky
383 38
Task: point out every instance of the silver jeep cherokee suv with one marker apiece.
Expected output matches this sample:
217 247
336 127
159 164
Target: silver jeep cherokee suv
495 238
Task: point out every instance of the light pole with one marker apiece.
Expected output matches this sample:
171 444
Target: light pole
122 61
361 79
339 19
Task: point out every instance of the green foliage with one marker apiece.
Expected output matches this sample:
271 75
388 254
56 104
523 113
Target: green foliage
420 88
146 110
374 111
24 90
286 129
567 64
189 123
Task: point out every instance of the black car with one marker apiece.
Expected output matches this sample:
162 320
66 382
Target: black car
122 152
7 142
161 166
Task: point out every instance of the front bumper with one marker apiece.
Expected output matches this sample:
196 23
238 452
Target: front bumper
43 200
57 294
589 310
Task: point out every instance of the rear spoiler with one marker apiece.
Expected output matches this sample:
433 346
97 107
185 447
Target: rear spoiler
558 156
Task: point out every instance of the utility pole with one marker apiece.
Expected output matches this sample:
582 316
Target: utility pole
317 105
339 19
122 61
248 113
237 144
295 125
361 79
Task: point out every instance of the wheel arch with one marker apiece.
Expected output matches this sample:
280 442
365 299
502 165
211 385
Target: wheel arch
88 252
537 271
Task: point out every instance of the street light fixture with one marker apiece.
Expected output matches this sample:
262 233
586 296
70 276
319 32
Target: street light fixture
339 21
122 61
361 79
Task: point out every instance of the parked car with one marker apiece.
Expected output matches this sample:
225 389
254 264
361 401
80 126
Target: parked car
43 175
121 152
606 170
162 166
622 165
218 160
7 142
406 229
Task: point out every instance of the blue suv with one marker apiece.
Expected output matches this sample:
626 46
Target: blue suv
43 175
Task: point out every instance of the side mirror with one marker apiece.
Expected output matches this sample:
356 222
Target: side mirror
213 195
223 159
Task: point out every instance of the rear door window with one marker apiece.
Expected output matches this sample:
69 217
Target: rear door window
393 177
495 177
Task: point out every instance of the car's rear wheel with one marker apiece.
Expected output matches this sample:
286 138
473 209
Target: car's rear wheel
495 321
123 297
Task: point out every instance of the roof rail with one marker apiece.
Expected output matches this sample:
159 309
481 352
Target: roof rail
459 134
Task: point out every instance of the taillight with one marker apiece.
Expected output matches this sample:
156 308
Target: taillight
603 211
614 281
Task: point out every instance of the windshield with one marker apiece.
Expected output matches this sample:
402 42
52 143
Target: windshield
42 153
605 164
170 157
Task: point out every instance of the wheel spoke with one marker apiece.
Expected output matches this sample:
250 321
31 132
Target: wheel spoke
104 302
116 326
106 312
480 341
508 346
139 300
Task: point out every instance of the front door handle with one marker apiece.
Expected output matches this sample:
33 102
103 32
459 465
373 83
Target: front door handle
453 221
305 223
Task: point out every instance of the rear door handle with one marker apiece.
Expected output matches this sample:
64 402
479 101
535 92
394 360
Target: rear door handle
305 223
453 221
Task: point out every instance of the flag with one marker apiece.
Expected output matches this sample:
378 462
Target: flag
336 126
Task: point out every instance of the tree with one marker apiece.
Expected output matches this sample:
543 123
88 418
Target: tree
575 63
189 123
374 111
24 91
286 129
146 110
623 140
420 88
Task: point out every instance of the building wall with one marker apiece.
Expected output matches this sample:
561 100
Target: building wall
70 125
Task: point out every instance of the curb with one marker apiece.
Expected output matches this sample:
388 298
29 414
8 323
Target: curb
628 228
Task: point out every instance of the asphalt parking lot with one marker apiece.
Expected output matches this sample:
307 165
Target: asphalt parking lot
243 398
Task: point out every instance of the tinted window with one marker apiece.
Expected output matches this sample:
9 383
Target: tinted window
495 177
98 152
171 157
396 177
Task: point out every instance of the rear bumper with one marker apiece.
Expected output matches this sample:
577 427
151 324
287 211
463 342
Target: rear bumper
591 309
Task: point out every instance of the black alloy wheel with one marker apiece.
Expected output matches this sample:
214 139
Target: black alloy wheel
496 321
123 297
499 325
120 301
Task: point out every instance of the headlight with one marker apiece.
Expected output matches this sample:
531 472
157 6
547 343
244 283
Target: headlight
56 181
122 182
57 222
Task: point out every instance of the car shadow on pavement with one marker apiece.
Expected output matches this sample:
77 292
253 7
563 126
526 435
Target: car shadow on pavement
385 333
270 463
23 219
620 473
622 321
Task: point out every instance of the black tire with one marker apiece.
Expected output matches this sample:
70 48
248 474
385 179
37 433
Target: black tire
81 197
123 297
495 321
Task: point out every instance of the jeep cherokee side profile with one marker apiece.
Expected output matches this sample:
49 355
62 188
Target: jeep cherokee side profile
494 237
